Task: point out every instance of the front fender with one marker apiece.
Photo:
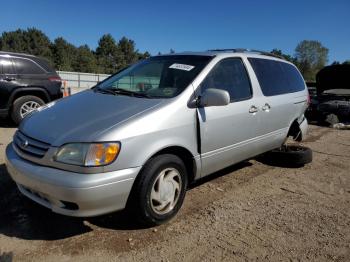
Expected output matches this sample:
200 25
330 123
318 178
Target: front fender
136 151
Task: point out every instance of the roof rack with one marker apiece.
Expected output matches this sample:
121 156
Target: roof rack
246 50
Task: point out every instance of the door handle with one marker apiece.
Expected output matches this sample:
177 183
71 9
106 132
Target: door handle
9 79
253 109
266 107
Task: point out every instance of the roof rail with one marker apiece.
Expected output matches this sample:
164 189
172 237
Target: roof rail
246 50
15 53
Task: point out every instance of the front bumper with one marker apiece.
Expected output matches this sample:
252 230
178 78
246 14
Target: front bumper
69 193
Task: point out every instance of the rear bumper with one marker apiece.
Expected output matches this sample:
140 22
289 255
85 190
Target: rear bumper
69 193
303 128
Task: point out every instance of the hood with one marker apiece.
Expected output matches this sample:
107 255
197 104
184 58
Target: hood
81 117
333 77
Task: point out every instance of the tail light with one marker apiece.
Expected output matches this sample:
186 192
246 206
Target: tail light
55 79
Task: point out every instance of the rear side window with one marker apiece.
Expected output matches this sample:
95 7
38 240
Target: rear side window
6 66
26 66
230 75
277 78
45 64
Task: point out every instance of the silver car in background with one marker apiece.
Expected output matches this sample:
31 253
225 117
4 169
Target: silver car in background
138 138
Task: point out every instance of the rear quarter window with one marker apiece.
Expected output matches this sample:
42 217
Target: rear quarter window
277 78
45 64
26 66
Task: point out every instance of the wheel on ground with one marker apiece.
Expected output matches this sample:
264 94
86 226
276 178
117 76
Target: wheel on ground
159 191
288 156
23 105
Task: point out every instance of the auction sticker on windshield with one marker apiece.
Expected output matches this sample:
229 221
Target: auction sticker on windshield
182 67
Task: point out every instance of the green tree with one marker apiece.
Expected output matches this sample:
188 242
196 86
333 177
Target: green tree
107 55
127 52
278 52
144 55
31 41
38 43
13 41
64 54
85 60
347 62
311 57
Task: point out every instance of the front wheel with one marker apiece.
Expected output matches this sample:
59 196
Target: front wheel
23 106
160 190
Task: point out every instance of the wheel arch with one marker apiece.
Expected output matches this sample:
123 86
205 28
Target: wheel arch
184 154
295 131
33 91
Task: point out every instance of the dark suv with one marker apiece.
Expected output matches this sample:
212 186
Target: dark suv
26 82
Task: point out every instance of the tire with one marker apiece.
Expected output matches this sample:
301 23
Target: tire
17 113
332 119
143 203
288 156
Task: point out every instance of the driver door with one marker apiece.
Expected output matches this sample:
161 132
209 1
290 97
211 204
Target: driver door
227 132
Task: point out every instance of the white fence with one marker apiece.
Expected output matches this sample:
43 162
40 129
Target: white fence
81 81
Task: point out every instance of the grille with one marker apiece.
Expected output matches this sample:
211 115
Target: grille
30 146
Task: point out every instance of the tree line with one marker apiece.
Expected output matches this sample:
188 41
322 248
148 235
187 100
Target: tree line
111 55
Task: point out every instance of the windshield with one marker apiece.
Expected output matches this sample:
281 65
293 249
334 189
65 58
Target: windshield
157 77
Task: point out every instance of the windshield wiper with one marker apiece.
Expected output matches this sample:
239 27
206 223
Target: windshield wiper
105 91
120 91
130 93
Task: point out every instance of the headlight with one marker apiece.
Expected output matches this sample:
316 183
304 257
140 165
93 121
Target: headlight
84 154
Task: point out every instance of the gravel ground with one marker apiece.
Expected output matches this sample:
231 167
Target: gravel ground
249 211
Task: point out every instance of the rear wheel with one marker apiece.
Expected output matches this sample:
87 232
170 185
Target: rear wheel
23 105
160 190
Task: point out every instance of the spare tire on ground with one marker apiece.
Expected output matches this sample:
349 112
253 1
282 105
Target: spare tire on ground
287 156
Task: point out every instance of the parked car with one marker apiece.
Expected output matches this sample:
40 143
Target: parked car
330 102
26 83
111 148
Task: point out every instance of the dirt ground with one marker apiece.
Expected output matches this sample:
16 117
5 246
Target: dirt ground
249 211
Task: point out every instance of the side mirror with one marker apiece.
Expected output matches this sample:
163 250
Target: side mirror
214 97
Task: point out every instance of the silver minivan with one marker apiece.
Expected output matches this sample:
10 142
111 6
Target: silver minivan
138 138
